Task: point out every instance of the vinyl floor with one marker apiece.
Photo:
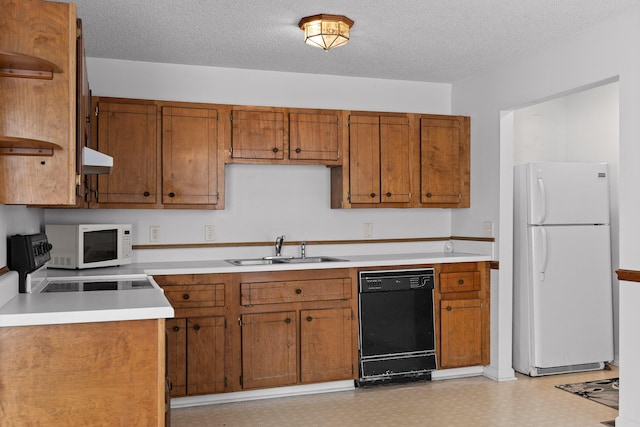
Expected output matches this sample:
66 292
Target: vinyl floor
475 401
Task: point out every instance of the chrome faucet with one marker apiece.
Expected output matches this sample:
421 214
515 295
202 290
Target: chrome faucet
279 242
303 246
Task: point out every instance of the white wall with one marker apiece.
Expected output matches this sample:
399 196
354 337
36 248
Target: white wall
264 201
601 54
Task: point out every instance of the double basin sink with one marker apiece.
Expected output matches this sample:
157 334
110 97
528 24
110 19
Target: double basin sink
282 260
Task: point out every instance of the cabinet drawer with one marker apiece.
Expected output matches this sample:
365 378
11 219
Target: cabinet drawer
192 296
460 281
295 291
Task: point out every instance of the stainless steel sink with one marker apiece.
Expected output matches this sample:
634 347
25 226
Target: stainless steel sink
253 261
282 260
313 259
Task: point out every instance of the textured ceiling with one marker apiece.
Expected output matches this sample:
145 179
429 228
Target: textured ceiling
420 40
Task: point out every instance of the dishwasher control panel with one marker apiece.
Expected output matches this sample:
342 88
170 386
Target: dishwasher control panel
396 280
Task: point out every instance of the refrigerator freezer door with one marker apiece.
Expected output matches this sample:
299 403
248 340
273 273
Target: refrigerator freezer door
571 295
567 193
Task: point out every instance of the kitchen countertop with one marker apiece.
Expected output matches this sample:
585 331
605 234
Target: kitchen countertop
221 266
103 306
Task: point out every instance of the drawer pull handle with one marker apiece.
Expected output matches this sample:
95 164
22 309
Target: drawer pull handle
298 150
176 328
428 194
196 327
298 291
172 194
461 282
388 194
373 195
275 149
287 320
449 308
309 318
185 296
146 194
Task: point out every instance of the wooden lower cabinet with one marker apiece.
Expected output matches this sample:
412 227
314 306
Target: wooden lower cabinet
197 336
461 333
297 327
82 374
196 354
326 347
462 315
269 351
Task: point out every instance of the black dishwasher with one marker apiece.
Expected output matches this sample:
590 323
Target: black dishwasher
396 328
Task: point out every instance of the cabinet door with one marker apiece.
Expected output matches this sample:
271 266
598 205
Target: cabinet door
127 132
364 159
205 355
314 136
440 160
461 333
269 349
189 156
177 355
325 345
257 135
395 160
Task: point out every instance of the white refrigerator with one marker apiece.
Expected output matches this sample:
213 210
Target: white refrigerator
562 313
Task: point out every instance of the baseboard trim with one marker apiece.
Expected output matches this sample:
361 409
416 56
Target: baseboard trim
446 374
268 393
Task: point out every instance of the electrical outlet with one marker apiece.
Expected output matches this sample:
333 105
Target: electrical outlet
209 233
154 234
368 230
487 228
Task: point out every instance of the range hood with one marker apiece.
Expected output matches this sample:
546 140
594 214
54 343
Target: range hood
95 162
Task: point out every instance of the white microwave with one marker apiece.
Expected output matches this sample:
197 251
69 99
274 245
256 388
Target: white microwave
79 246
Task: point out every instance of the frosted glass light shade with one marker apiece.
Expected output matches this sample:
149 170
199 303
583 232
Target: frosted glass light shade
326 31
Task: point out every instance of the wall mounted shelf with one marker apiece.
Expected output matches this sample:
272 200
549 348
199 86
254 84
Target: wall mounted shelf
14 64
26 147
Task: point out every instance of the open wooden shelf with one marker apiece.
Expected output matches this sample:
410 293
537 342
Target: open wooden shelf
25 66
10 145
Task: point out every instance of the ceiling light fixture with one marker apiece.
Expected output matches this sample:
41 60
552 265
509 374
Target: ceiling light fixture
326 31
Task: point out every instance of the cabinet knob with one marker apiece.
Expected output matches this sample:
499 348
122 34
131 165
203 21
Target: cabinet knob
172 194
298 291
461 282
388 194
309 318
298 150
275 149
185 296
428 194
287 320
196 327
449 308
373 194
146 194
176 328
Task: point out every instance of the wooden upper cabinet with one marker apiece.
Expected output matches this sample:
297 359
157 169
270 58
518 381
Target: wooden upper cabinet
379 159
189 156
127 132
257 134
445 155
364 159
395 160
314 136
37 103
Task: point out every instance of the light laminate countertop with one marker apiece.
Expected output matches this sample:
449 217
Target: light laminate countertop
81 307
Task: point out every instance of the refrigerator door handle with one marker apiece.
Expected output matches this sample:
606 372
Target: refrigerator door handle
545 252
543 201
